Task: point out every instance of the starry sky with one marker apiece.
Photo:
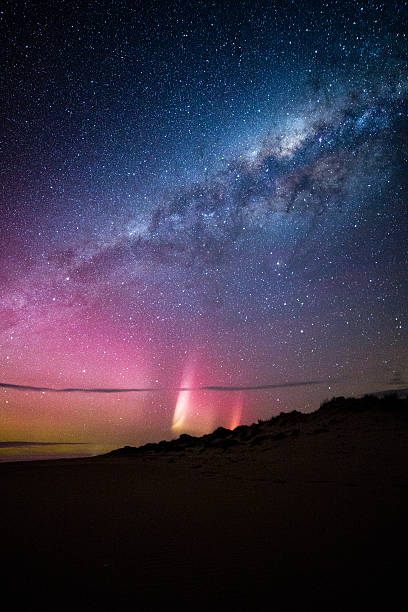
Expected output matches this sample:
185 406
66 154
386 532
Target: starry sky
197 198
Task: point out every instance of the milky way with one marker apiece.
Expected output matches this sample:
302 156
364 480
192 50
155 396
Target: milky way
198 199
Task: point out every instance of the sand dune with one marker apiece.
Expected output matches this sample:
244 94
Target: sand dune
302 512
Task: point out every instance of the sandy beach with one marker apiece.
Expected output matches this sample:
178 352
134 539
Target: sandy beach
301 512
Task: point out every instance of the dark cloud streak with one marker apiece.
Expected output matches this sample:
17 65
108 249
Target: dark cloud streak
18 444
265 387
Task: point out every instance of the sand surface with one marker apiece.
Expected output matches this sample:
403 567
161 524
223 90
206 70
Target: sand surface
317 519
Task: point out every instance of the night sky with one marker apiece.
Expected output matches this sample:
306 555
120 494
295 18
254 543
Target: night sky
198 194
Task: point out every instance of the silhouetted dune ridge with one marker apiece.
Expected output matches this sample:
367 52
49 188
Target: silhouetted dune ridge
286 424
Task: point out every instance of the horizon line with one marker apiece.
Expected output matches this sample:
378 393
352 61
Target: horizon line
24 443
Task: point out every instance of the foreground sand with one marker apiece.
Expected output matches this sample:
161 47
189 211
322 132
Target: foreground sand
313 520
